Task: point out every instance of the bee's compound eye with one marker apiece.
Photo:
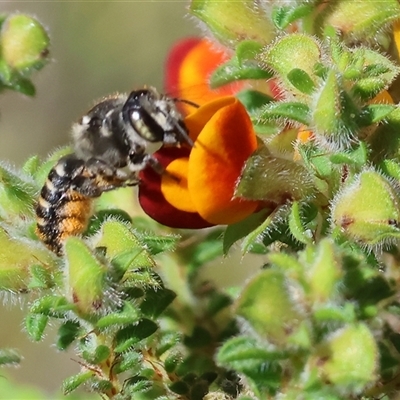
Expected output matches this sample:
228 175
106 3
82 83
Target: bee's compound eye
142 113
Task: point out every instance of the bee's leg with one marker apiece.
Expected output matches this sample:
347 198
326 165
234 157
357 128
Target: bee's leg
138 161
99 177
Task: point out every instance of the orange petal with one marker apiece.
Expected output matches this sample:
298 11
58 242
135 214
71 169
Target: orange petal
196 121
174 185
396 35
304 135
215 164
382 98
189 66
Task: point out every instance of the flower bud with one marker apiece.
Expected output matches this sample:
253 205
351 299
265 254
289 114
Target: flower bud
234 21
24 43
368 209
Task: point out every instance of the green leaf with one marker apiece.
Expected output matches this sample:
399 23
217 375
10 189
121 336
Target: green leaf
391 168
52 306
253 99
357 157
296 227
172 361
218 302
9 357
242 65
35 324
240 229
67 333
156 301
158 244
99 355
23 85
166 341
301 80
41 278
128 315
378 72
283 111
374 113
140 384
283 16
73 382
103 215
129 360
328 106
231 71
131 335
31 165
245 355
333 313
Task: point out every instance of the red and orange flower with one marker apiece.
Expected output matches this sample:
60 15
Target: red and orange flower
198 187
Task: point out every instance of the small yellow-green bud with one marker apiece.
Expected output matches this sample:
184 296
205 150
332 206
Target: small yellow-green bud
267 305
85 276
348 358
368 209
234 21
24 42
324 273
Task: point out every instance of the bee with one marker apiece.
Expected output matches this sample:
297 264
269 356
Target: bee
113 142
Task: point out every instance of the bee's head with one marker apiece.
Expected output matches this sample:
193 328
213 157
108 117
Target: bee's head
155 118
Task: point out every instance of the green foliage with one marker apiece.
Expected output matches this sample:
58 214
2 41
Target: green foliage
319 319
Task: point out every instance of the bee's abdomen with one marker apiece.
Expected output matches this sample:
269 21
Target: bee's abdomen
62 211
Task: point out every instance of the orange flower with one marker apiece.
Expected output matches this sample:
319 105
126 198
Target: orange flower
189 66
198 187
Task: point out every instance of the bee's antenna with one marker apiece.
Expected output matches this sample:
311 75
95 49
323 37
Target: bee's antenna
184 135
190 103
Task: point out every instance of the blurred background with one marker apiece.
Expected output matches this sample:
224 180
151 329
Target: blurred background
97 48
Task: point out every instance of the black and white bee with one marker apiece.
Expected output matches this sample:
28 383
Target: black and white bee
113 142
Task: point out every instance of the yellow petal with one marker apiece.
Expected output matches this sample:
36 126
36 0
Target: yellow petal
174 185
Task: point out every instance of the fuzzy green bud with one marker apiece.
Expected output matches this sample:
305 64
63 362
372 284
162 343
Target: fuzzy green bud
293 58
348 358
362 20
267 305
85 276
368 209
24 43
17 195
18 257
233 21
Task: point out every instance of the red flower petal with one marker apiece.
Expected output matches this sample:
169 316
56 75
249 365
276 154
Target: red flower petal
189 66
